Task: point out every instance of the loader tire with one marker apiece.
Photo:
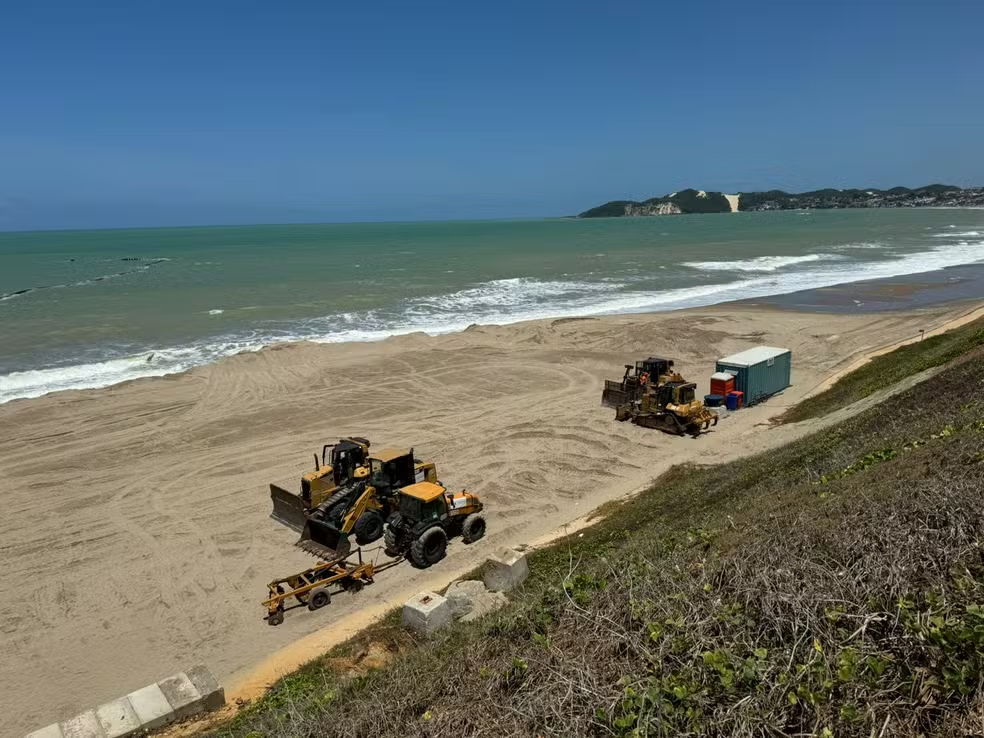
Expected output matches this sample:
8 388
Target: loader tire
392 542
319 597
369 528
473 528
431 547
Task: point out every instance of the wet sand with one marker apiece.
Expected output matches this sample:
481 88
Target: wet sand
909 292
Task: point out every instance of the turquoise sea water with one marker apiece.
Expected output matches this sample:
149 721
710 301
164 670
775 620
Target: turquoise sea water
91 308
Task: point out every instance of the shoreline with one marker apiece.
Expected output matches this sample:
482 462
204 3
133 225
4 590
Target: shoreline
948 285
155 524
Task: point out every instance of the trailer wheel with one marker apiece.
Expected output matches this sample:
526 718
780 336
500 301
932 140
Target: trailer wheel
275 618
473 528
430 548
369 528
320 596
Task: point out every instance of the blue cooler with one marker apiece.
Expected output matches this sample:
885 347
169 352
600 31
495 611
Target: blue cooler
713 400
731 402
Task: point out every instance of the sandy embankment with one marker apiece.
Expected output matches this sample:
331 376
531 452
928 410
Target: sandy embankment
135 539
733 202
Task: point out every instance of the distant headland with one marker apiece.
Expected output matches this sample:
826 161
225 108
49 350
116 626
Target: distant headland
698 201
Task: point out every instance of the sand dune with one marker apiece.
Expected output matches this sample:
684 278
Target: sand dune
135 539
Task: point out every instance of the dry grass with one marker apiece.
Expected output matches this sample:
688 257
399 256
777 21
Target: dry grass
835 587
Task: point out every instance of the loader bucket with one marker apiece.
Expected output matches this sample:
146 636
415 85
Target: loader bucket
288 508
322 539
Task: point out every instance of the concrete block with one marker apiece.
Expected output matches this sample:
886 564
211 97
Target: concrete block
461 596
117 718
489 602
506 570
52 731
213 695
151 707
426 613
182 695
721 412
85 725
470 600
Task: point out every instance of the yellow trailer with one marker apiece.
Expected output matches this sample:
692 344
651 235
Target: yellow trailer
313 587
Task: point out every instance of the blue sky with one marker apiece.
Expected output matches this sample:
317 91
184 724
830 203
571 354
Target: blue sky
168 113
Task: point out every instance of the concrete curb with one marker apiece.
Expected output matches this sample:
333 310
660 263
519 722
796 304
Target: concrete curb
177 697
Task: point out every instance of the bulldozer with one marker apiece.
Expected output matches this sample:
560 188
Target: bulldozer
362 507
669 404
635 380
335 469
426 516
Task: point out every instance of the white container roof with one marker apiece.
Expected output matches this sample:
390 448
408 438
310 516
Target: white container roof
753 356
723 376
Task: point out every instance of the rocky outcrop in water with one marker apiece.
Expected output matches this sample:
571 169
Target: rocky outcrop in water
698 201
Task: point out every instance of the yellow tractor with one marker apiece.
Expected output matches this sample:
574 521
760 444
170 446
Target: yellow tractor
426 516
335 470
668 403
362 507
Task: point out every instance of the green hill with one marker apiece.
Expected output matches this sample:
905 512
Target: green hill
831 587
689 201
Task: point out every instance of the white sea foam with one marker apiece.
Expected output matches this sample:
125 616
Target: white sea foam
861 246
498 302
959 234
216 311
759 263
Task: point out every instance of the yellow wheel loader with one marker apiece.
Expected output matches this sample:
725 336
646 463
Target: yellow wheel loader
335 470
426 516
668 403
362 507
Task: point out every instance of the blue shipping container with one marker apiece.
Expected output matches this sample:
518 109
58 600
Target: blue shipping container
759 372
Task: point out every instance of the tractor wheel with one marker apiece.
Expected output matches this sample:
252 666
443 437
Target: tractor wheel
473 528
392 542
430 548
319 597
369 528
275 618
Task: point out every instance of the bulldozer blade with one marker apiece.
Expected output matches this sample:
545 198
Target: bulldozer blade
288 508
322 539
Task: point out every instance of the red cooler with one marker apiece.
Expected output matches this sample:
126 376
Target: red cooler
722 383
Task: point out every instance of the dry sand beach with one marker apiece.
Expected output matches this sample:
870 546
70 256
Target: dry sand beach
135 539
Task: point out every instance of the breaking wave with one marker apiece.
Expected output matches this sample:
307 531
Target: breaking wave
503 301
759 263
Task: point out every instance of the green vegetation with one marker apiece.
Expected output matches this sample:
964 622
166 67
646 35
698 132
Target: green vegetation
833 587
714 202
886 370
689 201
613 209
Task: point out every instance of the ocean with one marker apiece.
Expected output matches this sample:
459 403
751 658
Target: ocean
85 309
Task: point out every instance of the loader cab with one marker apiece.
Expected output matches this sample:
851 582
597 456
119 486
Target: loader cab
391 468
654 366
345 458
423 502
